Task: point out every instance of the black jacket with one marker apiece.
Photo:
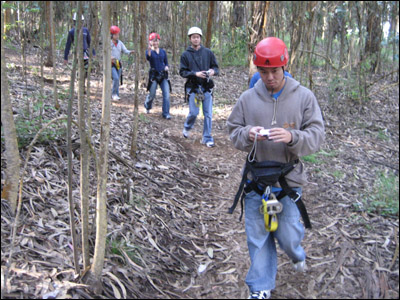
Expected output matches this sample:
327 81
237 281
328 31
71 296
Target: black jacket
193 61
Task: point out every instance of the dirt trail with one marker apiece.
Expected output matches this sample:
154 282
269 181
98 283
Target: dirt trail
167 209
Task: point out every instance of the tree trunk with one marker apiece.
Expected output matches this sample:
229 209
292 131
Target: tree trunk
10 187
84 147
101 207
374 34
209 23
69 153
136 39
48 7
53 51
258 13
296 34
174 11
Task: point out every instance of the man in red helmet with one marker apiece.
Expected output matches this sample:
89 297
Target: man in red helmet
291 115
117 47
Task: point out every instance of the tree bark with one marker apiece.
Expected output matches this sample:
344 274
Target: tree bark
136 39
10 187
258 11
84 147
101 207
53 51
209 23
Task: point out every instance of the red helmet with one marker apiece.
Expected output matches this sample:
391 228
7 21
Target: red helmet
114 29
154 35
271 52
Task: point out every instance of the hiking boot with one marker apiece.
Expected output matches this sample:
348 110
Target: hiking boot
260 295
300 266
185 133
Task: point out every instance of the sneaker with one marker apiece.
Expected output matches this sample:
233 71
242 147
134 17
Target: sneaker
115 97
260 295
185 133
300 266
167 117
147 111
209 144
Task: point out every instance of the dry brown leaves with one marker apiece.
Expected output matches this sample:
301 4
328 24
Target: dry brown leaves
169 234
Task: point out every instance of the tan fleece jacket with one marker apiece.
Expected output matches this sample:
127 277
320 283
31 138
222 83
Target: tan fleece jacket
296 110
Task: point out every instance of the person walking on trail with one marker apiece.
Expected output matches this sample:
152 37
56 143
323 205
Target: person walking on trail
117 47
158 74
276 122
86 44
198 64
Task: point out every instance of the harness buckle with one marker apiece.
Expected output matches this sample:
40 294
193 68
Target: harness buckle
297 198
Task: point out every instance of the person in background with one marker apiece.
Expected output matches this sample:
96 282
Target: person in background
158 75
117 47
86 44
198 64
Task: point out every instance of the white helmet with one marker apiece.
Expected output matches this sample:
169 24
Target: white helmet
195 30
74 17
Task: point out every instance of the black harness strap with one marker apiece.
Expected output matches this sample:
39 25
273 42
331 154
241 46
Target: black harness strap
286 191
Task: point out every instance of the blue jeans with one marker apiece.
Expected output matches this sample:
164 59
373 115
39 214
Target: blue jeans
207 112
116 75
165 91
261 244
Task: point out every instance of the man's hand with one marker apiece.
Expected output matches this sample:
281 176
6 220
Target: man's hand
280 135
252 134
65 62
211 72
201 74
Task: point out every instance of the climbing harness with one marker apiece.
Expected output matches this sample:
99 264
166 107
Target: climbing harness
265 175
199 96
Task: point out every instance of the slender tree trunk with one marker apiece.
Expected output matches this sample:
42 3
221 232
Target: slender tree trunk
101 208
255 31
84 147
10 187
174 30
209 23
53 51
94 41
136 38
69 153
42 37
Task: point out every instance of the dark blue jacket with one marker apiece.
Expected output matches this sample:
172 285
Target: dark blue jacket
70 40
157 61
193 61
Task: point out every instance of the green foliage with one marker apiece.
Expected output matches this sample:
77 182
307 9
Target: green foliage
385 197
27 129
234 52
118 247
316 158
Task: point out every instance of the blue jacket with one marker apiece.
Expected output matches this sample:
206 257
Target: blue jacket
157 61
70 40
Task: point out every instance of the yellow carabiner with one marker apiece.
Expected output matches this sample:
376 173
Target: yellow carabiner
270 220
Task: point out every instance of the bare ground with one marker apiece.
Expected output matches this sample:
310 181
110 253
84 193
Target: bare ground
167 209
